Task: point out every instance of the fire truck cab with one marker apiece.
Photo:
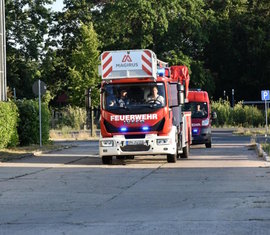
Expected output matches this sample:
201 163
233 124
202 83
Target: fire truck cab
141 107
201 117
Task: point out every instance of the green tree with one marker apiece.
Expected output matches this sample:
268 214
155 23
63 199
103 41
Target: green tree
133 24
238 48
65 35
27 23
185 41
84 70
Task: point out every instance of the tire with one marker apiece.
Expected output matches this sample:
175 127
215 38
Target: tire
208 145
178 154
120 157
130 157
107 160
123 157
171 158
185 152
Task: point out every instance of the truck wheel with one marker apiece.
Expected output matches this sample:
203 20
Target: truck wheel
107 160
130 157
185 152
178 149
208 145
171 158
120 157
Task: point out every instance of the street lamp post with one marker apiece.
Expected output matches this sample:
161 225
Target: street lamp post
3 74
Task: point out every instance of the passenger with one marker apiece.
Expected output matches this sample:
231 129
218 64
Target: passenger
155 97
123 101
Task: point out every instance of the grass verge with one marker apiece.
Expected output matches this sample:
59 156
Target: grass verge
249 131
266 148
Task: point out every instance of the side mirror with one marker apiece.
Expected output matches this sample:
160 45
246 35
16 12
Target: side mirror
214 115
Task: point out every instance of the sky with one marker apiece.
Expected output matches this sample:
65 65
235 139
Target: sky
58 5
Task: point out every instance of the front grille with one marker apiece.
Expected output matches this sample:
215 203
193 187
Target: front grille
112 129
135 148
128 137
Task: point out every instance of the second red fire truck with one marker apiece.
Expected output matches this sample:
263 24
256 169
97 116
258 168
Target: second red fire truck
141 107
201 117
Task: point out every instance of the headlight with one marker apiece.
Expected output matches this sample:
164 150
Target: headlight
163 141
106 143
205 122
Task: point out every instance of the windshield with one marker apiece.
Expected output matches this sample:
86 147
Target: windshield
198 109
135 98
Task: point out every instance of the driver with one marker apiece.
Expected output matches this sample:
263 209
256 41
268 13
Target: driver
155 97
199 111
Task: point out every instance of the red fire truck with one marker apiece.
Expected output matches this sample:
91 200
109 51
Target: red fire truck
141 107
201 116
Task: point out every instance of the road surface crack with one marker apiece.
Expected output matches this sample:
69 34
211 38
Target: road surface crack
26 174
131 185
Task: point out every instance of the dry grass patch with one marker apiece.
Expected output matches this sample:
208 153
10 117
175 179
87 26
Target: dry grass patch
19 152
249 131
71 135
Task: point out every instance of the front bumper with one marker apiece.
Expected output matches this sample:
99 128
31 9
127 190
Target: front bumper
142 146
202 137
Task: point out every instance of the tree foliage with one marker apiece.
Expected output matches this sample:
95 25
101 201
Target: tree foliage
84 70
27 23
225 44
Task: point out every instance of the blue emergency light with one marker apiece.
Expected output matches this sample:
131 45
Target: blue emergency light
161 72
145 128
123 129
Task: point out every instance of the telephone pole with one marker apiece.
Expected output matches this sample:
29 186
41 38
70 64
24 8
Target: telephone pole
3 73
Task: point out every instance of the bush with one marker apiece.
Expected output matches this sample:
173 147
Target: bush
240 115
74 117
8 124
28 128
247 116
223 110
254 117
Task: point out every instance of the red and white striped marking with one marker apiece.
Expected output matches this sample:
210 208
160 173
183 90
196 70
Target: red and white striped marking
106 64
147 62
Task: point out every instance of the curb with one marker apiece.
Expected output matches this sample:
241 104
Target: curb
38 153
261 153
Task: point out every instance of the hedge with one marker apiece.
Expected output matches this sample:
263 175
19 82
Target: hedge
240 115
28 128
8 124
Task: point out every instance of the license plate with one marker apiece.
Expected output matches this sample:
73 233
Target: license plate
134 142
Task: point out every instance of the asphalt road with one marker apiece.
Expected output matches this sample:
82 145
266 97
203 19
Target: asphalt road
223 190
